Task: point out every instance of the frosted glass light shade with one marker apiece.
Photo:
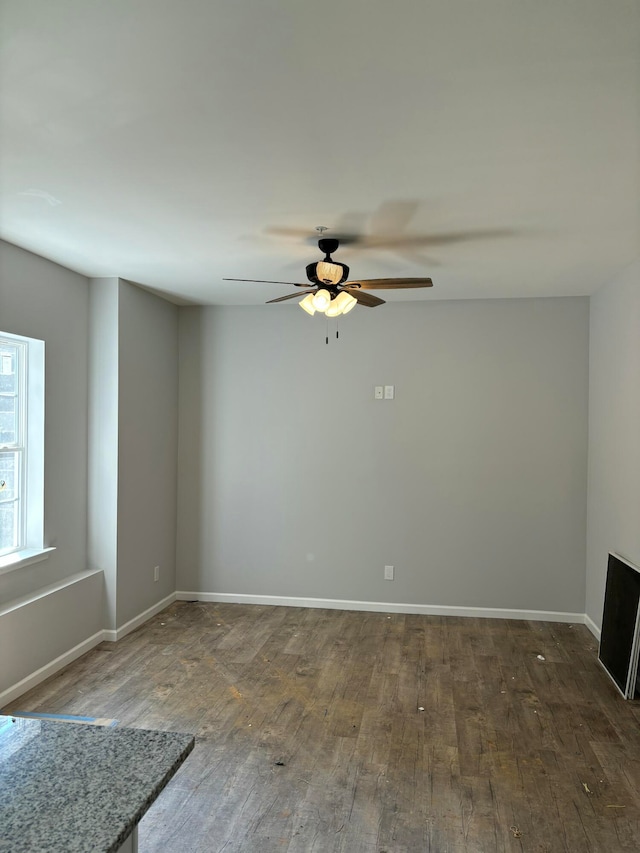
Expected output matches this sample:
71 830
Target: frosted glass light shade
334 309
307 304
329 273
346 302
321 300
350 304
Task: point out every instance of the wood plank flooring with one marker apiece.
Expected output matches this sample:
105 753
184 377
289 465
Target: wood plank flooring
351 732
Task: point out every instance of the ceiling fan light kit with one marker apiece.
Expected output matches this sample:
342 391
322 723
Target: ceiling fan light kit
326 303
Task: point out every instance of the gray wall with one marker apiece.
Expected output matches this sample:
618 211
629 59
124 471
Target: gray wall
103 439
293 481
614 432
133 446
111 354
37 629
43 300
148 442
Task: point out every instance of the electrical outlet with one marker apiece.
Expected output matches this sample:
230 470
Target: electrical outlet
389 392
388 573
156 573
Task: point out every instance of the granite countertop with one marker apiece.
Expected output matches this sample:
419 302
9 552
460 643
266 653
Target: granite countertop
68 788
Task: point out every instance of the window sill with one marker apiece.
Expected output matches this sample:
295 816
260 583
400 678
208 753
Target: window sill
23 558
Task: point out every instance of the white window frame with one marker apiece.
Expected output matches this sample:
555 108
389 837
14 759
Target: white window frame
18 447
30 444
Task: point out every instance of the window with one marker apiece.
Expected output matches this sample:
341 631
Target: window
12 445
21 450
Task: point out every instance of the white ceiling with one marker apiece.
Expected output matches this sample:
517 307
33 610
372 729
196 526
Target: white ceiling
160 140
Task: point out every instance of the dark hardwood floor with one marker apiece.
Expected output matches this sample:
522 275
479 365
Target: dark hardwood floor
326 730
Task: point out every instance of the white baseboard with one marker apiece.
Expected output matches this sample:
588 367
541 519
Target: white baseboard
82 648
384 607
591 625
140 619
49 669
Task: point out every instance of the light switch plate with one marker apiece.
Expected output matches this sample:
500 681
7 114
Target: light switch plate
378 392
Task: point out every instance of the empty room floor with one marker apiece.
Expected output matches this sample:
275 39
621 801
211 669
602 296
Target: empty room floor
328 730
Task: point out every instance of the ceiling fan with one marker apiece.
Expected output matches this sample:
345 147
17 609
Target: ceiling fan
331 293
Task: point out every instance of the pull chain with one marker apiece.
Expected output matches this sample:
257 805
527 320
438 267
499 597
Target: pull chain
326 339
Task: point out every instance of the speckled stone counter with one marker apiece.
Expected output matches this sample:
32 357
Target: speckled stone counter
79 789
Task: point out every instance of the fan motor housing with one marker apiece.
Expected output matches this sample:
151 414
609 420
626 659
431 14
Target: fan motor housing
328 245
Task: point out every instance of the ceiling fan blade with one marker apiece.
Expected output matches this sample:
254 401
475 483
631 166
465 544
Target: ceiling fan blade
289 296
366 299
400 242
262 281
393 217
304 235
388 283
